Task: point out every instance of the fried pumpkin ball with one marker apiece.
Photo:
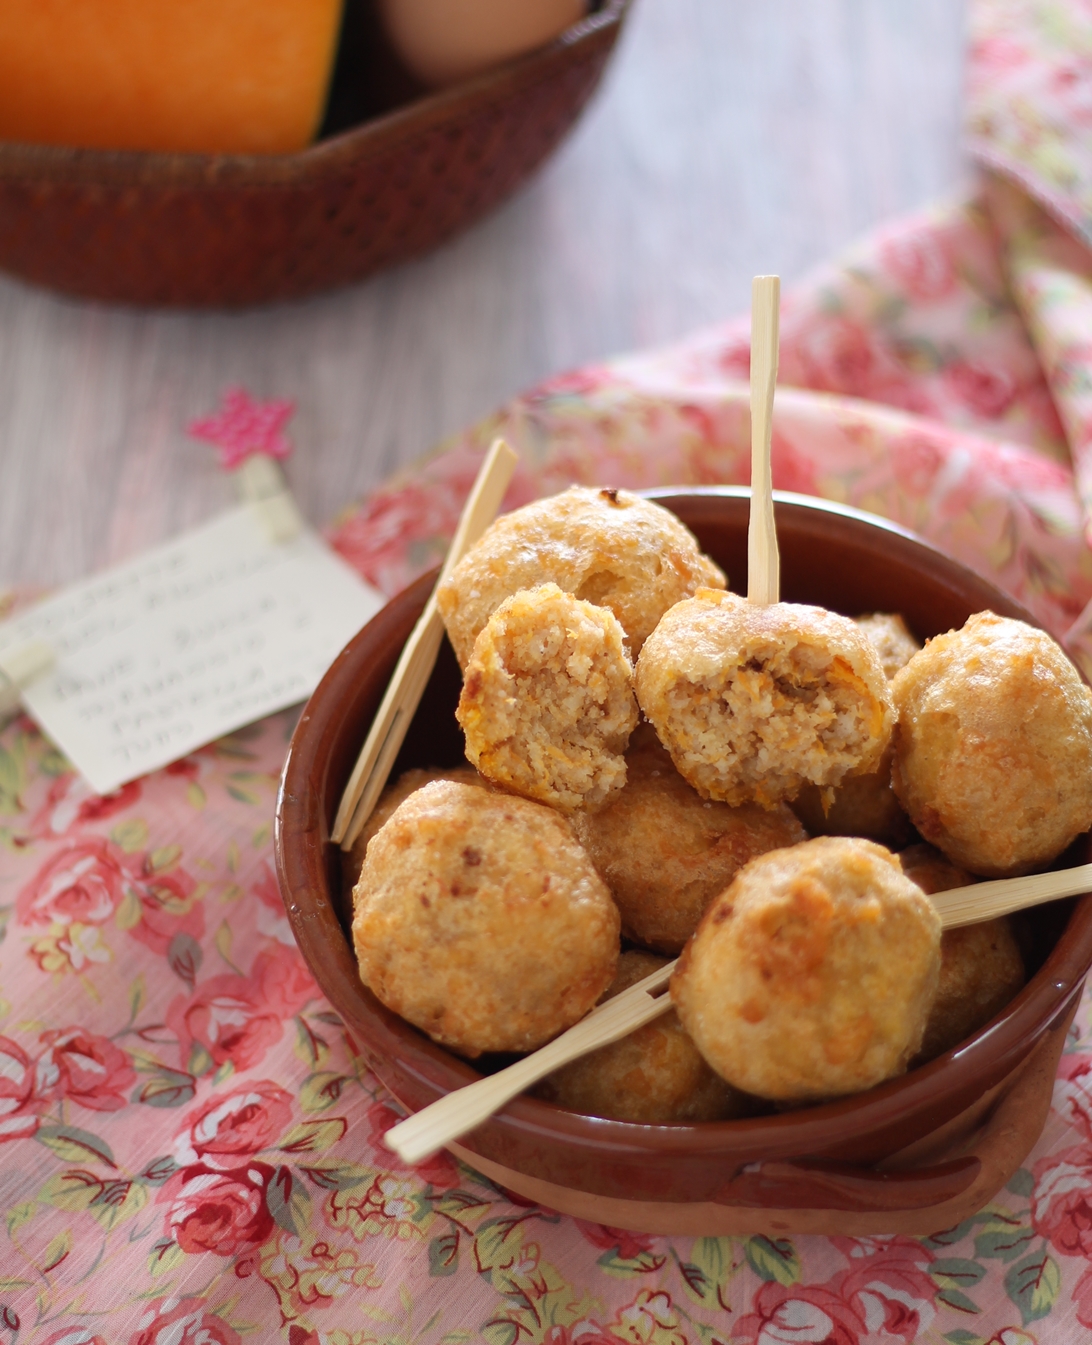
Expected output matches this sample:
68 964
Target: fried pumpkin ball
891 638
862 805
754 701
547 703
981 966
993 746
392 796
665 852
981 970
812 975
480 920
609 547
932 870
653 1077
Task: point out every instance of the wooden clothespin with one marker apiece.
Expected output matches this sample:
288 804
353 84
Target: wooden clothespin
262 485
249 436
18 668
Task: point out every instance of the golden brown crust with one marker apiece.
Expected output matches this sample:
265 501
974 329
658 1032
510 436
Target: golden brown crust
655 1076
981 970
547 703
752 702
665 852
981 966
406 784
931 870
480 920
993 746
609 547
812 975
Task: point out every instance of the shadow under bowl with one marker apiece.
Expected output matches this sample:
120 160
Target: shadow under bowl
891 1159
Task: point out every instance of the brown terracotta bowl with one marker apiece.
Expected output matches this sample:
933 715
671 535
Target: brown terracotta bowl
915 1154
230 229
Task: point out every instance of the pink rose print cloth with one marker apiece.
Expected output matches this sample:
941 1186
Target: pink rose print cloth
190 1141
1030 100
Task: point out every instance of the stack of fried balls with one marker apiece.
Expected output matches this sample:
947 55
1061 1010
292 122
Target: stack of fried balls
655 767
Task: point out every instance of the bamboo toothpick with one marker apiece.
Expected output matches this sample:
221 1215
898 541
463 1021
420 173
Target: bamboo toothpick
763 561
987 901
452 1116
418 658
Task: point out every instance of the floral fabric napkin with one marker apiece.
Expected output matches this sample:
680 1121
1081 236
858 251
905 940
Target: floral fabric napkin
189 1141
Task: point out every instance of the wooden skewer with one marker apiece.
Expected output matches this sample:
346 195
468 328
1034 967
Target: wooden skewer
1001 896
418 658
459 1112
445 1120
763 561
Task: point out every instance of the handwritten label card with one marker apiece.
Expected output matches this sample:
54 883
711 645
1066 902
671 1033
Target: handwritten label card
186 643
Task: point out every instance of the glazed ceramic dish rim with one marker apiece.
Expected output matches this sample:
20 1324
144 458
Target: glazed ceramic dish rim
990 1054
177 169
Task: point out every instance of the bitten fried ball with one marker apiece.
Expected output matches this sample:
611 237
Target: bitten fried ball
392 796
993 746
866 805
665 852
653 1077
812 976
480 920
891 639
609 547
547 703
981 966
753 702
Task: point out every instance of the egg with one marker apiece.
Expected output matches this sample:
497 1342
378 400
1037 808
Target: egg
444 41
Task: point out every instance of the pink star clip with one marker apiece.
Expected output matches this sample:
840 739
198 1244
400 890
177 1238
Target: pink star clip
243 427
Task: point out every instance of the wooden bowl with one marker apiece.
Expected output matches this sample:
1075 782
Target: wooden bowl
204 230
917 1153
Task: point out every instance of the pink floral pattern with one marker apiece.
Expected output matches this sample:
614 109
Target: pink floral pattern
175 1321
1051 278
231 1128
215 1211
1030 100
190 1143
18 1113
84 1068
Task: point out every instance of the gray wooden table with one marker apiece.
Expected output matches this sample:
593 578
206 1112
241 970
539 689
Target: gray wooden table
730 137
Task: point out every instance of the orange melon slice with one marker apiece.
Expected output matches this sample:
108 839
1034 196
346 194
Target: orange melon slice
243 76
